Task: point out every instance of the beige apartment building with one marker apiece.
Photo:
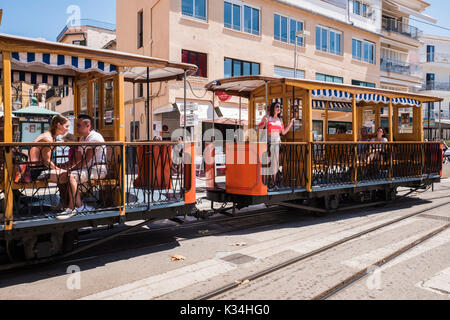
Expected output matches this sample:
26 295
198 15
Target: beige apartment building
401 44
232 38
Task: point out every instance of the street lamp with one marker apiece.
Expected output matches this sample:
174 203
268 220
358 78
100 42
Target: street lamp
301 33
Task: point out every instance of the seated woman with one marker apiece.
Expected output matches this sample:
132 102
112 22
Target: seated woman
379 150
41 156
275 128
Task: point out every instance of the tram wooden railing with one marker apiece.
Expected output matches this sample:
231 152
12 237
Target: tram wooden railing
147 176
350 163
286 166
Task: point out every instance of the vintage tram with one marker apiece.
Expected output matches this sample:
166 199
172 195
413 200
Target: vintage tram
141 180
323 161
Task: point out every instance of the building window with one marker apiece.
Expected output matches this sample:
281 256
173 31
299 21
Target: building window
241 17
236 68
284 26
363 51
197 58
328 78
363 84
430 53
288 72
361 8
328 40
430 81
140 29
140 93
79 42
194 8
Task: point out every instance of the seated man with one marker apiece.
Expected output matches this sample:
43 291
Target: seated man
92 164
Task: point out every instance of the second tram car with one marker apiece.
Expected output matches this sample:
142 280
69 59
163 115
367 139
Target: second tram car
325 159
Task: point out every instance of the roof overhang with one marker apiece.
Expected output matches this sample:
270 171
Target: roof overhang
135 66
412 12
244 86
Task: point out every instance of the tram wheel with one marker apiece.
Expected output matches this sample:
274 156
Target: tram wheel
331 201
391 194
70 241
13 250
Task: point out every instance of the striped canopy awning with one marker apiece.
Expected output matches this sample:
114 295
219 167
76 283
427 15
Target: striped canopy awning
38 78
52 69
331 93
371 97
62 62
406 102
333 105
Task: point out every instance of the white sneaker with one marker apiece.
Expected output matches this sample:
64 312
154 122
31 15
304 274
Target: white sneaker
66 214
85 208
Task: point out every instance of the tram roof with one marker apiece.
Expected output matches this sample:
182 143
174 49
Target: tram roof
135 66
245 85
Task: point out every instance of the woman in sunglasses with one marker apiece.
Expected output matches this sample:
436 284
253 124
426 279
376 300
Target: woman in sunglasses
275 129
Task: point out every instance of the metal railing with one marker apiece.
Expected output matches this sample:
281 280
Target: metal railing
88 22
284 166
399 67
434 85
347 163
404 29
90 177
438 57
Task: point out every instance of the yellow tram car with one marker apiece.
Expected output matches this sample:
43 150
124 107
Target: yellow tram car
141 180
318 165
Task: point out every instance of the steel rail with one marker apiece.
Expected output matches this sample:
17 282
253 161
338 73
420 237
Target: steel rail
98 241
368 270
312 253
128 232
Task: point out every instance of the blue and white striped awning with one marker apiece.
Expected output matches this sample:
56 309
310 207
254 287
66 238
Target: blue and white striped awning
406 102
332 105
331 93
371 97
61 62
38 78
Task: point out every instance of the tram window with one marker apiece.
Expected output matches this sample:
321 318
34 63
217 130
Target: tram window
83 99
109 102
369 120
318 130
335 127
405 120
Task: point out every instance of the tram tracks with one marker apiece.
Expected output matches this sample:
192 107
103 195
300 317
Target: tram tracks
342 285
369 269
131 231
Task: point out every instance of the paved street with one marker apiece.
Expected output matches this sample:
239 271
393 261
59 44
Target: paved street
184 263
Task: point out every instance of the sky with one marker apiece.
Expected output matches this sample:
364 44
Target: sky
46 18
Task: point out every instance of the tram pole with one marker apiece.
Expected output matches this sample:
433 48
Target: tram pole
148 104
133 132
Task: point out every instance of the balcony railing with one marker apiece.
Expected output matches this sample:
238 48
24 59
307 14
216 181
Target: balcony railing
400 67
401 28
436 57
434 85
91 23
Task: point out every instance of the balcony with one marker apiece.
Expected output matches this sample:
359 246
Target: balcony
400 67
434 85
436 57
404 29
90 23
